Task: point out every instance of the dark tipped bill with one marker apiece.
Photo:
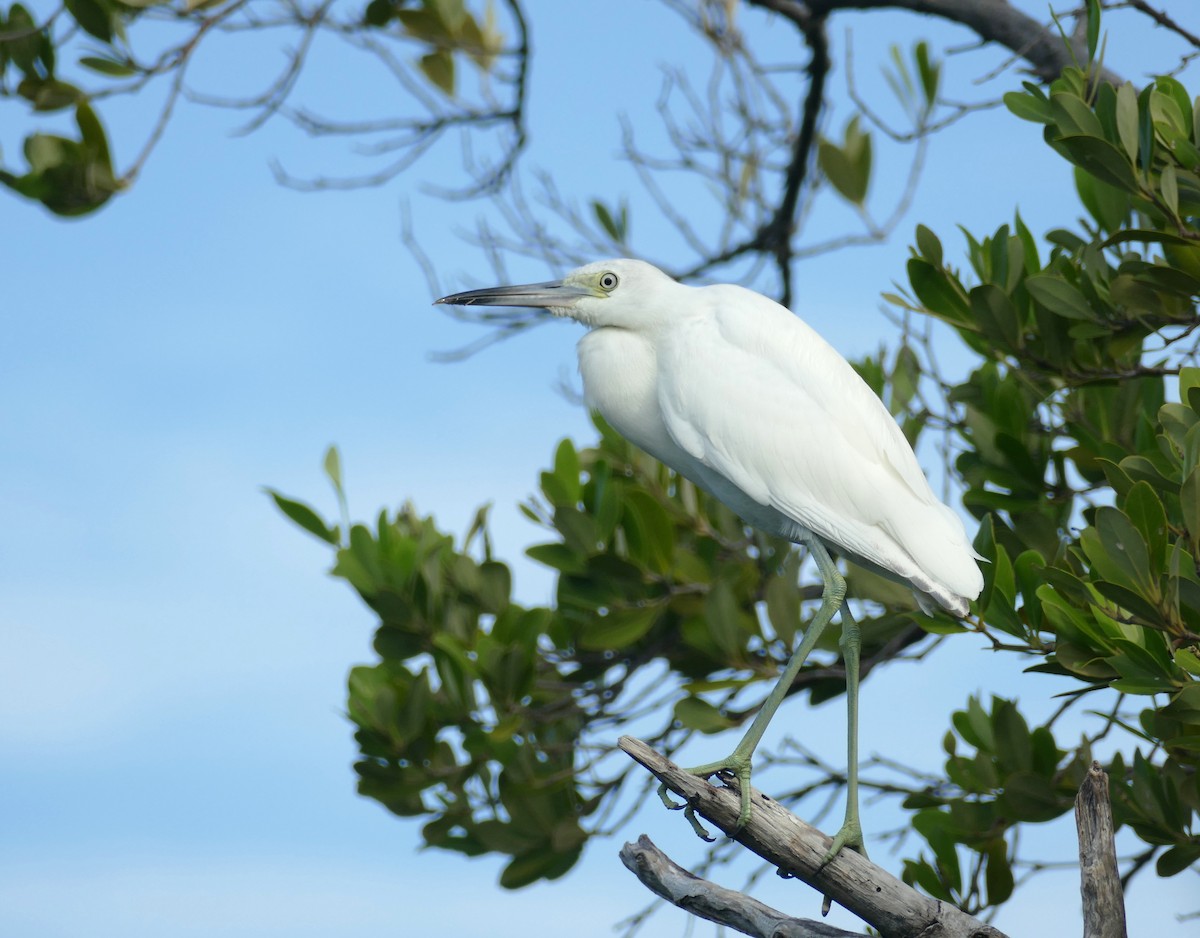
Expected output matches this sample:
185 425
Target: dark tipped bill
549 295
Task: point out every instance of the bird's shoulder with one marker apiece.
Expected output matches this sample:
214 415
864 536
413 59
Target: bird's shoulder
766 359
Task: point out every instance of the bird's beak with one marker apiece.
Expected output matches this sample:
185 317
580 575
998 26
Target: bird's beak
553 294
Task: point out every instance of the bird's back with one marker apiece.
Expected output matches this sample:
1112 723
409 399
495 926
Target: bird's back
750 392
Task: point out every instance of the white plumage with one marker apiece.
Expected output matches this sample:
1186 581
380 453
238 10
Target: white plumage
742 397
736 393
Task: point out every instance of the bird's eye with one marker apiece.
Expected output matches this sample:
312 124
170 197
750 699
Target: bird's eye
608 282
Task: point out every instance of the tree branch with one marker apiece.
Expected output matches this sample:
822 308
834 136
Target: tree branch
696 896
798 850
1100 880
992 20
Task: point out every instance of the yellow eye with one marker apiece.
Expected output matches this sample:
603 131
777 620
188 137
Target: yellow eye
608 282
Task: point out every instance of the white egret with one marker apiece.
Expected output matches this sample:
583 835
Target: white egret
736 393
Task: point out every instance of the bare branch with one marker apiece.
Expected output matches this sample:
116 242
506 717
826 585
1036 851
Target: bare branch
798 850
667 879
992 20
1100 880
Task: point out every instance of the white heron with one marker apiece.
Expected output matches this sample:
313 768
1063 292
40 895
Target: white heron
736 393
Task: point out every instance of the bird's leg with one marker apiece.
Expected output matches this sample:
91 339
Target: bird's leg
738 762
850 834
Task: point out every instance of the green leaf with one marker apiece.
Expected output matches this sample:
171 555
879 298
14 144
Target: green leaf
94 16
929 246
1177 859
1011 734
25 49
557 556
999 875
1189 503
1100 158
1169 187
566 471
698 714
1117 551
1059 297
847 167
619 629
1030 797
1189 661
112 67
783 605
1146 511
1029 107
49 94
378 13
305 517
929 73
938 293
1093 37
1074 117
542 863
1127 120
648 530
438 67
723 619
333 467
610 225
996 315
1189 380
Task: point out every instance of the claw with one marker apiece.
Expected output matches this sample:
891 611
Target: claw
850 836
665 798
732 767
690 813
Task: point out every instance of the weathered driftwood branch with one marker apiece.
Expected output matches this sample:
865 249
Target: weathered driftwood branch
797 849
667 879
1099 878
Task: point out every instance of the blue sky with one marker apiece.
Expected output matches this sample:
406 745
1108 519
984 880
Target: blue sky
173 752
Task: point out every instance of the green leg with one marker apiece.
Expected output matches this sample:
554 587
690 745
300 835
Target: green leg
851 833
739 761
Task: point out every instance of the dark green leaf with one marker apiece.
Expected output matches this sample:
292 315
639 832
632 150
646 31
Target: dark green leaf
1177 859
998 875
543 863
305 517
1093 37
96 17
938 293
620 628
1100 158
25 49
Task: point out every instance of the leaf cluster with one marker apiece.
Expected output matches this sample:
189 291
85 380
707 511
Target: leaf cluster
1083 473
69 176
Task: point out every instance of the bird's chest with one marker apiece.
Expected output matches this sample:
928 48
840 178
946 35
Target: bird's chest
620 373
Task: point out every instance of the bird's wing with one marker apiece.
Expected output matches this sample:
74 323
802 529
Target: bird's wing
754 394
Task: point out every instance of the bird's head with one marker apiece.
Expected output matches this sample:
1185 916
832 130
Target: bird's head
625 293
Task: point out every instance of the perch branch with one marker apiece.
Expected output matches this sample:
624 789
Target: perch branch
797 849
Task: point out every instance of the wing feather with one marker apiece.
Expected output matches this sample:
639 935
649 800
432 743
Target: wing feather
755 395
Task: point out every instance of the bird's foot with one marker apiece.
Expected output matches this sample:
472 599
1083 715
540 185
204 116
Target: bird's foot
734 765
850 836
